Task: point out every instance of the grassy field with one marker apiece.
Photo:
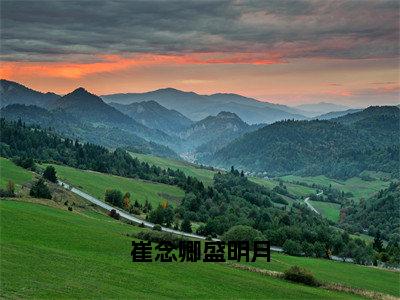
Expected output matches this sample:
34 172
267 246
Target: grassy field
96 184
54 253
207 175
358 187
353 275
189 169
10 171
328 210
294 189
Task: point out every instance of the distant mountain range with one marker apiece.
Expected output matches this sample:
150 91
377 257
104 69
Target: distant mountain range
214 132
315 109
342 147
336 114
153 115
13 92
220 129
197 107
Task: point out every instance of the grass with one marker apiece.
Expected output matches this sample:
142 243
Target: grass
10 171
53 253
328 210
294 189
205 175
96 184
355 185
373 279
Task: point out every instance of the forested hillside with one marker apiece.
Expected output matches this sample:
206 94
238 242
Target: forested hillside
380 214
74 128
320 147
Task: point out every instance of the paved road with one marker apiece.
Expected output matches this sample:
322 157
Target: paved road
151 225
310 206
124 214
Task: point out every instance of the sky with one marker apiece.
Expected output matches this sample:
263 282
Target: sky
281 51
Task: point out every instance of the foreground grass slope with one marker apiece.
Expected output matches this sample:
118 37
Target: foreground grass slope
352 275
10 171
96 184
54 253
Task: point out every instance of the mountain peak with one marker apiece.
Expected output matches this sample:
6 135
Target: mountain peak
227 115
80 91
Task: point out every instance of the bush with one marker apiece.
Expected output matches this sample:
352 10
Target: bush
50 174
40 190
186 226
243 233
26 163
292 248
114 197
157 227
300 275
113 214
9 191
159 236
69 208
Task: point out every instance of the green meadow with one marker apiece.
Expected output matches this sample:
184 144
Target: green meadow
10 171
357 276
207 176
328 210
49 252
189 169
355 185
96 184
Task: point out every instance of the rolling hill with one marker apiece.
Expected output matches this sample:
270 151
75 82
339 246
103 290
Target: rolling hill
74 128
318 147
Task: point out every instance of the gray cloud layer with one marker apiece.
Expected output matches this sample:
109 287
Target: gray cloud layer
58 30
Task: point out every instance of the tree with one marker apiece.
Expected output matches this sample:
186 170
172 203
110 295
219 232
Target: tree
11 188
186 226
378 243
126 201
114 197
292 247
40 190
50 174
243 233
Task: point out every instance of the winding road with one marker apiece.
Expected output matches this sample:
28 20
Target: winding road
124 214
166 229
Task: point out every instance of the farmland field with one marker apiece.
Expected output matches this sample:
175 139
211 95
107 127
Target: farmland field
96 184
189 169
355 185
327 209
87 255
10 171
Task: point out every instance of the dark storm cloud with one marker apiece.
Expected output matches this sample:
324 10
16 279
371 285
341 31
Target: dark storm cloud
59 30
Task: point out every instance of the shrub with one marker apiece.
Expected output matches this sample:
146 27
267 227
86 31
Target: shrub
114 197
292 248
186 226
243 233
26 163
50 174
300 275
69 208
40 190
113 214
9 191
159 236
157 227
